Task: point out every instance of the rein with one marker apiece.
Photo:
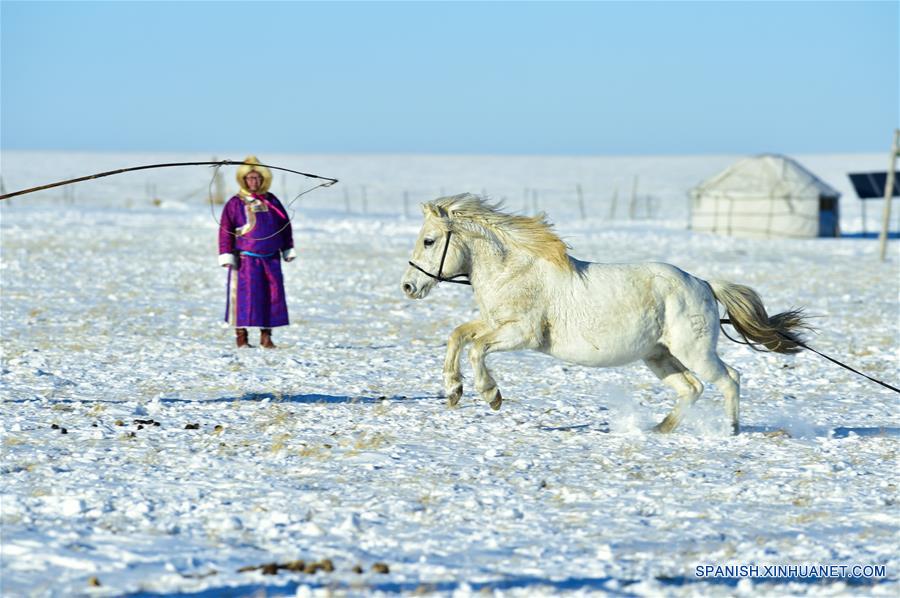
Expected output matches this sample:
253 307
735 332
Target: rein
807 347
440 275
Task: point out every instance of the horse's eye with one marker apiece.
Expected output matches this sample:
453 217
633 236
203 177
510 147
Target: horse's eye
429 242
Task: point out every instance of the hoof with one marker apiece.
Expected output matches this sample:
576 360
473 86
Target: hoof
665 426
735 429
498 400
454 395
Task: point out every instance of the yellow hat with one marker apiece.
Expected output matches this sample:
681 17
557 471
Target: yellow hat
252 165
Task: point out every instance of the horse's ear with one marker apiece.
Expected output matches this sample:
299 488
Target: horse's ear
429 209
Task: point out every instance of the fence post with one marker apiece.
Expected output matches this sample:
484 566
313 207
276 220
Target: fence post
580 200
889 194
612 206
865 229
219 187
534 201
632 205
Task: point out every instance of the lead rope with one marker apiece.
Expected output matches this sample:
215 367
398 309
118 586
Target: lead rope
807 347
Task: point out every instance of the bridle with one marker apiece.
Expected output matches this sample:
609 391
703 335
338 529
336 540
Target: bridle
440 275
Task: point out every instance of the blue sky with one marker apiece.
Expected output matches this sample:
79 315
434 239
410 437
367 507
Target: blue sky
463 77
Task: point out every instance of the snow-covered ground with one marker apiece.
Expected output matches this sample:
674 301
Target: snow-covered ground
338 445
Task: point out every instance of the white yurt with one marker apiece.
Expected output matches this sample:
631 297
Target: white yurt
765 196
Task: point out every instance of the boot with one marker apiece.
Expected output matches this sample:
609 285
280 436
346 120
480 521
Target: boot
242 338
265 338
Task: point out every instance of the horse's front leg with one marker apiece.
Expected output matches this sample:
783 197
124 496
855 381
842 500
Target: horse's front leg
452 379
509 337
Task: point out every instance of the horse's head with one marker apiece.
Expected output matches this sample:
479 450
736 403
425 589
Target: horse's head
437 255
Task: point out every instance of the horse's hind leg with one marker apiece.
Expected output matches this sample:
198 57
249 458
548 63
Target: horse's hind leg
712 369
732 394
673 374
692 341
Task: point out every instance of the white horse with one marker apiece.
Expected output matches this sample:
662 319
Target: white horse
532 295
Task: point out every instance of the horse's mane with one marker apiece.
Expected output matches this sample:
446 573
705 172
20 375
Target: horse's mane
532 234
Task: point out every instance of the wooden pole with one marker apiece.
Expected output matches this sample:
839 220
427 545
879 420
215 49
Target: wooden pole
329 181
889 194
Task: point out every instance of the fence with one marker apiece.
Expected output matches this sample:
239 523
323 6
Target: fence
571 202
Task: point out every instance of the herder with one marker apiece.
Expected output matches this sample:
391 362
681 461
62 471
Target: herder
254 234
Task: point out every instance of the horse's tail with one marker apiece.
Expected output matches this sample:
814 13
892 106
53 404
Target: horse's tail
779 333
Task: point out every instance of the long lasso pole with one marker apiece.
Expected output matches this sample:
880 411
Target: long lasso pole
328 180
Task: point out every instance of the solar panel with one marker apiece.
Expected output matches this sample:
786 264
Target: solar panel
870 185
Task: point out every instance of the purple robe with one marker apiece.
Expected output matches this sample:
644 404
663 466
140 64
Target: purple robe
256 233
